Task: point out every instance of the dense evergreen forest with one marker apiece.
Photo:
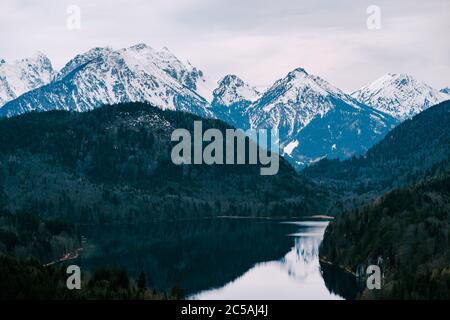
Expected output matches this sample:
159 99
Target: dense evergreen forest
407 233
113 165
25 235
31 264
29 279
407 230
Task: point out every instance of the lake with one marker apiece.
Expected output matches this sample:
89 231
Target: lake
222 258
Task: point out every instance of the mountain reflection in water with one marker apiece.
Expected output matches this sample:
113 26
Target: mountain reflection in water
222 258
297 275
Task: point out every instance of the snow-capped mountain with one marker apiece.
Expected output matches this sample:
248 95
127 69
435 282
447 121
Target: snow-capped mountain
446 90
82 59
399 95
316 119
106 76
20 76
231 99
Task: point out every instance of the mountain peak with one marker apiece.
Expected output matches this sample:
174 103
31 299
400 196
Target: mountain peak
165 49
233 89
400 95
230 79
303 107
23 75
231 100
39 55
140 46
299 72
300 85
83 58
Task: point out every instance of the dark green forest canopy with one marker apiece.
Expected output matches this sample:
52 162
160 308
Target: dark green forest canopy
113 164
409 229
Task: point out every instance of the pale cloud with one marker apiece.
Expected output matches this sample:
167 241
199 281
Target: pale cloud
256 39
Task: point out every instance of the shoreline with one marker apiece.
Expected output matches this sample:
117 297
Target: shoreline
343 268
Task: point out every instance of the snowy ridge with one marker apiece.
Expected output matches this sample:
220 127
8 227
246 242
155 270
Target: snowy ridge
23 75
399 95
106 76
82 59
315 119
446 90
292 102
232 89
231 99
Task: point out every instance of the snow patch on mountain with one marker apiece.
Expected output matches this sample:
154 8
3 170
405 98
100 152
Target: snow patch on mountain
290 147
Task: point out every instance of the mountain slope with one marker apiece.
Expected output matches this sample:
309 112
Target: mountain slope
104 76
446 90
231 99
113 164
24 75
399 95
315 119
406 233
415 149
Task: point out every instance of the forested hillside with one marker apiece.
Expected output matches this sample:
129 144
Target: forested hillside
406 232
113 165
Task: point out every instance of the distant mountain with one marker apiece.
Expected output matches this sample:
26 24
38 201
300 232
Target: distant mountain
105 76
316 119
231 100
20 76
399 95
446 91
113 164
416 149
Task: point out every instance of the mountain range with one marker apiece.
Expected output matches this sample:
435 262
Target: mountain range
105 76
315 119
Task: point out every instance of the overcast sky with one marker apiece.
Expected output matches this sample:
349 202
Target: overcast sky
258 40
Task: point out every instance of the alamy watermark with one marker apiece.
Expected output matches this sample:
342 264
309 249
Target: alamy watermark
74 279
370 277
253 146
73 21
373 21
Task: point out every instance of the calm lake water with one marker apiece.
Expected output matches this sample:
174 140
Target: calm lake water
223 258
